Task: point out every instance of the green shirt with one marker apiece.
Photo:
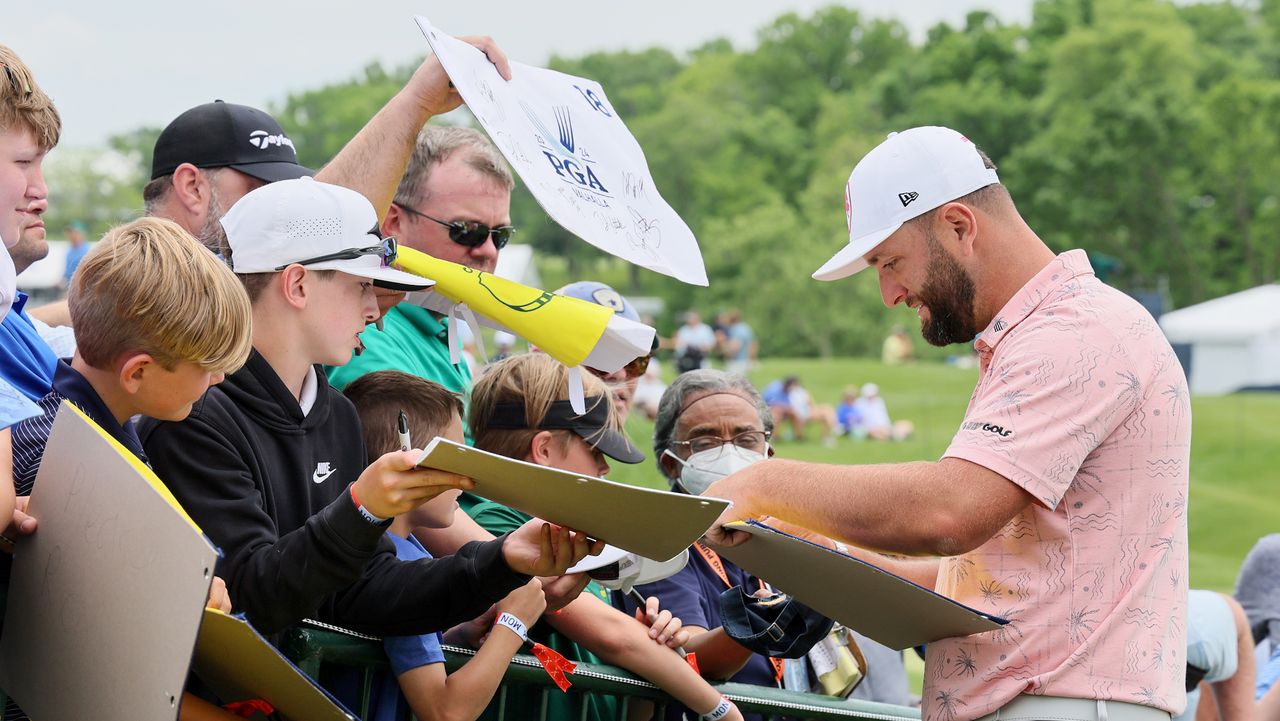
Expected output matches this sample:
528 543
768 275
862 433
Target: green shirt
498 519
412 340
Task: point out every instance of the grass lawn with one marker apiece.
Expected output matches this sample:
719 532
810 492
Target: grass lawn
1235 454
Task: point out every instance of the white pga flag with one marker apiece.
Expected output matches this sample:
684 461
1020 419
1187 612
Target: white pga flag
579 160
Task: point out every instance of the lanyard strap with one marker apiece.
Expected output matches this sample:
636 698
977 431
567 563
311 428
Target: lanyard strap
713 559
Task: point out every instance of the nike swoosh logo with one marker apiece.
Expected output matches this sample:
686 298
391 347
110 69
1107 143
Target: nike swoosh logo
317 477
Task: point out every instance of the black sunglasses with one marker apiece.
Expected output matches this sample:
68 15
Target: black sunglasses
387 249
469 233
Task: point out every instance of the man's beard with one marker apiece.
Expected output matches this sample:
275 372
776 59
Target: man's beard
948 292
212 234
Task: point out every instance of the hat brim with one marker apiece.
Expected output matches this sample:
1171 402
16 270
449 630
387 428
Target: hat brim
388 278
274 172
849 260
611 443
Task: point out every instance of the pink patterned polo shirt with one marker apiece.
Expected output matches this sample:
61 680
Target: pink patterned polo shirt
1081 403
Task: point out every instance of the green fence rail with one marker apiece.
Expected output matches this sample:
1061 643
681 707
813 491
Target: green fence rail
313 648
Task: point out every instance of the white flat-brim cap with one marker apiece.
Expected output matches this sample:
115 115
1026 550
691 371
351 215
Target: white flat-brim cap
907 175
291 221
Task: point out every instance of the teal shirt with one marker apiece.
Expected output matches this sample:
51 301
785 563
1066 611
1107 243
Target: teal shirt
412 340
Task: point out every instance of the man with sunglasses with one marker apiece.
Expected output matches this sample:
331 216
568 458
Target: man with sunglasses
210 156
453 203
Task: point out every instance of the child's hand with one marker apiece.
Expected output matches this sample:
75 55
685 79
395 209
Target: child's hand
663 627
526 603
218 597
539 548
562 590
21 524
472 633
393 484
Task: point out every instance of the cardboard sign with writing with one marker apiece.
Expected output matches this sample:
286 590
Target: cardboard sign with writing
105 598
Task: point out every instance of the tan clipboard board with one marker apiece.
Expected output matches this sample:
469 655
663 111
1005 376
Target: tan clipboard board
105 598
654 524
866 598
238 664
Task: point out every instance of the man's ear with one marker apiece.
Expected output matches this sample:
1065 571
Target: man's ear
669 466
960 224
134 369
192 192
395 219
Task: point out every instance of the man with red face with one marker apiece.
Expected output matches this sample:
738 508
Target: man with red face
1061 501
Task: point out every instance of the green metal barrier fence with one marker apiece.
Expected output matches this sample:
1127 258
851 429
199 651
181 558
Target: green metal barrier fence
312 648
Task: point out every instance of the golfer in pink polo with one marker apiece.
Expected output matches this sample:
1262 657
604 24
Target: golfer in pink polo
1061 502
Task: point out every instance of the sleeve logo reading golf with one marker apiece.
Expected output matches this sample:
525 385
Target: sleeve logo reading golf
987 427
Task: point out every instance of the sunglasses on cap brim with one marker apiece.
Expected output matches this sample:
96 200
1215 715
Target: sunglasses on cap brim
388 249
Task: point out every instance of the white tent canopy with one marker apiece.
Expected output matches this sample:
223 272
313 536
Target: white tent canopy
1234 340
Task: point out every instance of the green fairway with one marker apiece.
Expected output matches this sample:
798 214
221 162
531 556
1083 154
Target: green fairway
1235 461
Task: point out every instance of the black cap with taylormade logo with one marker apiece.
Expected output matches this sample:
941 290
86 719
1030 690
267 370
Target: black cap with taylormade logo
226 135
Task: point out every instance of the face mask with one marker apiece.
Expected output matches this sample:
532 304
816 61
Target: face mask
703 469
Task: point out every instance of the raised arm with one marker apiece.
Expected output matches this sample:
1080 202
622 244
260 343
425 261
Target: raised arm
373 161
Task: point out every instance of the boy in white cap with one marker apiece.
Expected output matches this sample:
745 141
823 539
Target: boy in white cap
271 464
1061 501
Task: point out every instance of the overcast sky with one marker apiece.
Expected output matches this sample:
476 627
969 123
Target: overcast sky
115 66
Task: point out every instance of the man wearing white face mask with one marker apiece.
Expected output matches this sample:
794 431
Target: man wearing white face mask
709 425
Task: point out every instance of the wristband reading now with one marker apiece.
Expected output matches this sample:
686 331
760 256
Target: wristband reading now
513 624
365 513
719 712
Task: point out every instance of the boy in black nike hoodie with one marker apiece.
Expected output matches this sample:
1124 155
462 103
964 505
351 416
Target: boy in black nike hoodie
271 463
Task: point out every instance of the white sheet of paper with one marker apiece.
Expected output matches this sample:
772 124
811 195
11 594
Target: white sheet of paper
866 598
106 597
565 140
651 523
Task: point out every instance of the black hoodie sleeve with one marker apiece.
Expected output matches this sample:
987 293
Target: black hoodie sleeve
336 565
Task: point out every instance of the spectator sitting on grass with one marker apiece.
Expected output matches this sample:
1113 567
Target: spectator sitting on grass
875 416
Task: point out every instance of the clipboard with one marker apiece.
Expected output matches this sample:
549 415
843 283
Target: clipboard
866 598
651 523
105 598
238 664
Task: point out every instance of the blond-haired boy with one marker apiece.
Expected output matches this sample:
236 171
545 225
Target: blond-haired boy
159 319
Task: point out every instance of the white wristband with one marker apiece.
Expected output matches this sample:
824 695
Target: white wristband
719 712
513 624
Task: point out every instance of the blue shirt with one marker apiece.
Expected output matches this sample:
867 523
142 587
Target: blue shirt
775 394
27 362
75 254
386 702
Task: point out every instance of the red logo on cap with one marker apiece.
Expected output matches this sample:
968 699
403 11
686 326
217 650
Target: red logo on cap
848 209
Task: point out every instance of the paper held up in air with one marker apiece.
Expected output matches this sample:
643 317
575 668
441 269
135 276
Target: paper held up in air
648 522
566 141
866 598
570 330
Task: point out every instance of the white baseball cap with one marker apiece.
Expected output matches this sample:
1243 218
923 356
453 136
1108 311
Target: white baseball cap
909 174
321 226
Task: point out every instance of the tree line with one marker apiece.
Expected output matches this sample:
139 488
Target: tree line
1141 130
